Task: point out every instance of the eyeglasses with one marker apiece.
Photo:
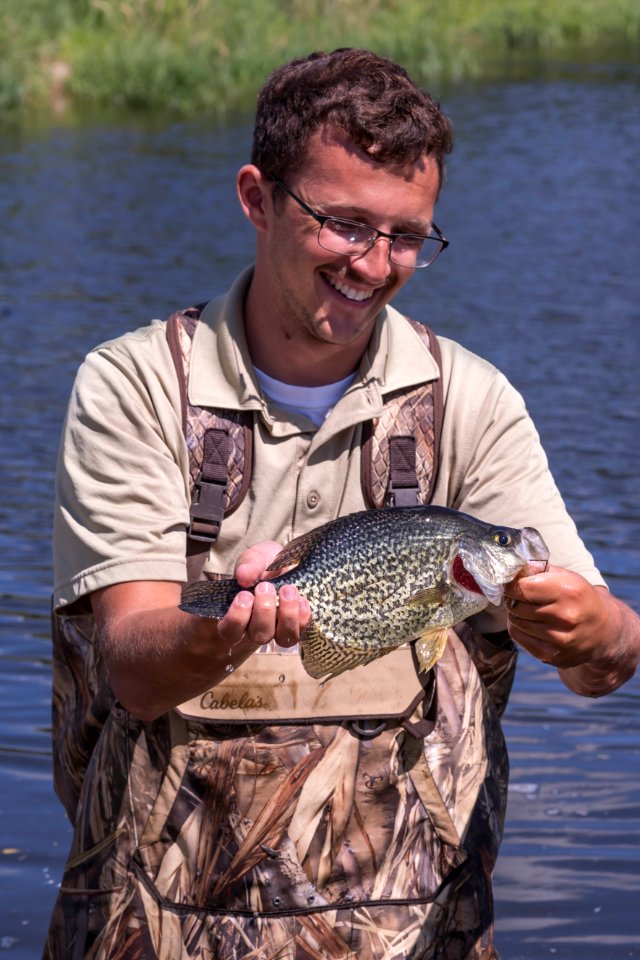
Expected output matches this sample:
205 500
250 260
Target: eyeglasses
354 239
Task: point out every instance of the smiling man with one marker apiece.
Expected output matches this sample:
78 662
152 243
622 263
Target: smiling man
324 284
224 804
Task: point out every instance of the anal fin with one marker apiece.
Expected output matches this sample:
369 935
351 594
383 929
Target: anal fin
324 659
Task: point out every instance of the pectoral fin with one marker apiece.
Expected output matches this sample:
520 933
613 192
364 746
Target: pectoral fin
430 647
431 596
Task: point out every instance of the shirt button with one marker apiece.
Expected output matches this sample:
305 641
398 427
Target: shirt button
313 499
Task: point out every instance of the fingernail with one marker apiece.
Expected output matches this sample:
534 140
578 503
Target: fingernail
243 600
289 592
265 587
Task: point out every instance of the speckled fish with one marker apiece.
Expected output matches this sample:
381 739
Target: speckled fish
380 578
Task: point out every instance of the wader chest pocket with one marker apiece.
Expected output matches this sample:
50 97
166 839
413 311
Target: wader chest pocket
274 688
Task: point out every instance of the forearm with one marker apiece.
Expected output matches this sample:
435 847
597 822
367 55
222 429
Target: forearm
157 659
157 656
620 649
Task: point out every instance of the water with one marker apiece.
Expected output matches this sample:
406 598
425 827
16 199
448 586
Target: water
105 226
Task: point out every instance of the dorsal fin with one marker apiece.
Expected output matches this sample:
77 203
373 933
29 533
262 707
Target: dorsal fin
295 551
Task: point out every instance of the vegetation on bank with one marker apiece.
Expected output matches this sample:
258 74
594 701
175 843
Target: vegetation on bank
209 56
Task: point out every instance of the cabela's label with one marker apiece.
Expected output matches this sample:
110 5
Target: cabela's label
218 700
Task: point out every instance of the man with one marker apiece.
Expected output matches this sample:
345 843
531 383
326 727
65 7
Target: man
357 829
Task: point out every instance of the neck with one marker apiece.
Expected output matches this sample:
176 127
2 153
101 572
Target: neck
297 358
305 368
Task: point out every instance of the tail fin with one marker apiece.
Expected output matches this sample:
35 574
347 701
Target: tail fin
209 598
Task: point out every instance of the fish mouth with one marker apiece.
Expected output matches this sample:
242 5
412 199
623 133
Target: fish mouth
530 549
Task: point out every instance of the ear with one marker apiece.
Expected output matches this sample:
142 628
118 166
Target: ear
254 194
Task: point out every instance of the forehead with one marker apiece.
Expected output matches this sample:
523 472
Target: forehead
337 172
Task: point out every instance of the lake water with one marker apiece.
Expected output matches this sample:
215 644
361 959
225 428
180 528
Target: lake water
105 226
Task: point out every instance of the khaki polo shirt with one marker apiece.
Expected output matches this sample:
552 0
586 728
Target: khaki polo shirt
123 476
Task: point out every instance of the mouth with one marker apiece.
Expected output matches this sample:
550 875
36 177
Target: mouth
532 548
349 292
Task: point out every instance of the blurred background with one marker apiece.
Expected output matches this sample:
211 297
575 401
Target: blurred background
122 125
191 57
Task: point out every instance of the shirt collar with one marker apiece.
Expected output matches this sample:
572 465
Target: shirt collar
220 371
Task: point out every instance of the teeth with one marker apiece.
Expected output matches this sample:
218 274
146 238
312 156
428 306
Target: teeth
350 292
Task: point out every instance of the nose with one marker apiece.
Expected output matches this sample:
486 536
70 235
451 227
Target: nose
374 265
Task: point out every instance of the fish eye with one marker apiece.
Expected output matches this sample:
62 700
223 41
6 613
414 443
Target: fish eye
501 538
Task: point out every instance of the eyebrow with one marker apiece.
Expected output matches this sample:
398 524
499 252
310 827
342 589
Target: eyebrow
360 216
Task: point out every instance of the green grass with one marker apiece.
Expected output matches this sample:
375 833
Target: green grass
194 57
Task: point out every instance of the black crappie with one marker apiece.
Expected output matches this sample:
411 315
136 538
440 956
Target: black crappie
377 579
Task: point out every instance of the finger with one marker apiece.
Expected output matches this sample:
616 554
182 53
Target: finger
305 612
532 589
526 611
262 625
536 581
252 564
548 646
294 613
539 647
288 626
555 618
541 623
232 627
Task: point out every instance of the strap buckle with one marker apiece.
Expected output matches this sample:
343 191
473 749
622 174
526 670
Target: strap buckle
403 489
207 510
403 496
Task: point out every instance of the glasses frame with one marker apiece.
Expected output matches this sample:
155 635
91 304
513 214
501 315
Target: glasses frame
322 218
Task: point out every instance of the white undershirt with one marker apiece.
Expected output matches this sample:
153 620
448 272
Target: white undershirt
316 403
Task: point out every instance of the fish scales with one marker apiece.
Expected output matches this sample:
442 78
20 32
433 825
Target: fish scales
378 579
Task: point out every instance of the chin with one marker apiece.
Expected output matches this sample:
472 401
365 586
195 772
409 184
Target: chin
343 335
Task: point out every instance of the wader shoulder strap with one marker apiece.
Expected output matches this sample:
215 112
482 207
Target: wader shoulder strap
220 445
399 456
400 453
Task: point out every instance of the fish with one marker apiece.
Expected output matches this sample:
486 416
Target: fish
378 579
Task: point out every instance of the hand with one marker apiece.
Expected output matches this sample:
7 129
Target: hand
262 615
562 619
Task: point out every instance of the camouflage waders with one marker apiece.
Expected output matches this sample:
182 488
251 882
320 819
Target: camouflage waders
365 839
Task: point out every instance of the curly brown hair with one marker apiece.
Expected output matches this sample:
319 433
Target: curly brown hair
371 99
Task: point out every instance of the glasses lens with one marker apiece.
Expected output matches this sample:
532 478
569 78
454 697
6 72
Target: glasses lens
345 236
412 251
354 239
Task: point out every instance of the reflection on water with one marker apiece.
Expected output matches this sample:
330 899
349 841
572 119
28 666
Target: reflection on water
105 227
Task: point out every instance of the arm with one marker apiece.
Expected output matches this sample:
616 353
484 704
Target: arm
158 656
591 637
